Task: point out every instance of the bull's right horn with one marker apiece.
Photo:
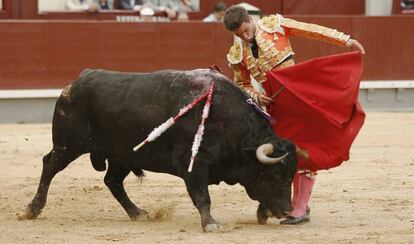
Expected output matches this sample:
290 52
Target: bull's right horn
264 150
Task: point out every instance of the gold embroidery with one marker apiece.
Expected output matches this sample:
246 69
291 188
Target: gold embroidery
287 63
269 23
252 65
269 55
260 78
235 54
236 73
241 77
315 32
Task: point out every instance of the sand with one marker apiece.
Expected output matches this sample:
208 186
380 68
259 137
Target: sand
369 199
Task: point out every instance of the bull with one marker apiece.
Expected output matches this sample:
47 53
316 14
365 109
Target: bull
107 113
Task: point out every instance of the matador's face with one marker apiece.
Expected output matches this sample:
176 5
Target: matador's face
246 31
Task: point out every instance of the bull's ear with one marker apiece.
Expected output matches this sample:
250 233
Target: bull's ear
249 149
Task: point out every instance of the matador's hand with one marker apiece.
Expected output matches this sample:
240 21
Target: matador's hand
263 99
356 44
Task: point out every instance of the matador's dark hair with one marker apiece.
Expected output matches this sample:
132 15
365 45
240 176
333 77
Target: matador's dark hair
234 17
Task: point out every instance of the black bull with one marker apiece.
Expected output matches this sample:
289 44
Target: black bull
107 113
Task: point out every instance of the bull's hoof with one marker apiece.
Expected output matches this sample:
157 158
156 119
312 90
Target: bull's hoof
213 227
263 215
30 214
141 216
262 220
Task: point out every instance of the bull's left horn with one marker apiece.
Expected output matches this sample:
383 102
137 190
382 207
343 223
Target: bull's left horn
264 150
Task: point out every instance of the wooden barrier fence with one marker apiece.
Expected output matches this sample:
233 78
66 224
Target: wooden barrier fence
51 53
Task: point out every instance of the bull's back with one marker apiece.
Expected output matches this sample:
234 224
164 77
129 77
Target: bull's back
124 102
138 88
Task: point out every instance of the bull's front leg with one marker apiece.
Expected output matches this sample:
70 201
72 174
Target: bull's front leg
197 187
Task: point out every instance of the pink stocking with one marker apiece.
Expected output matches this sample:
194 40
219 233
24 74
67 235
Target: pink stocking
305 184
295 190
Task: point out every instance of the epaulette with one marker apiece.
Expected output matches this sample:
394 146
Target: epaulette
235 54
271 24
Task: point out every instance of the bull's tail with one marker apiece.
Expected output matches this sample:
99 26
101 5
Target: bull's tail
139 173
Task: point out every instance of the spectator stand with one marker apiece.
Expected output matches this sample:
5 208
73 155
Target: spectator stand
56 10
397 9
4 6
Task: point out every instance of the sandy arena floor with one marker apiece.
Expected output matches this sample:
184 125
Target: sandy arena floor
369 199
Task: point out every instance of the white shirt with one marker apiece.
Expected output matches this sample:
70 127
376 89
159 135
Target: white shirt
211 18
77 5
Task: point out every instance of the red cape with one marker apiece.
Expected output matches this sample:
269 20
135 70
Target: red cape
318 109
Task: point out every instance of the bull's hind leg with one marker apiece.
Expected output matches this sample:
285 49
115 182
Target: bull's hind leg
53 162
114 179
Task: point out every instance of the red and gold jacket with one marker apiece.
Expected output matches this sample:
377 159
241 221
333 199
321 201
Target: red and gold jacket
272 37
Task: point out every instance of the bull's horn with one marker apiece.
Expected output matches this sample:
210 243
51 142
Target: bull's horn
264 150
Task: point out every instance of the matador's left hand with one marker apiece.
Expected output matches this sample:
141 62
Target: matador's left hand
356 44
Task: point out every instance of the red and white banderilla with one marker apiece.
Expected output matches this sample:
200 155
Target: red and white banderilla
171 121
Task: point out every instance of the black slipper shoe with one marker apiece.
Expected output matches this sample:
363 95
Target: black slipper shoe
296 220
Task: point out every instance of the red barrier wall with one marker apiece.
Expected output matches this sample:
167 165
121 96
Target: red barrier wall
47 54
43 54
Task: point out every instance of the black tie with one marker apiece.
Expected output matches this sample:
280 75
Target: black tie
255 48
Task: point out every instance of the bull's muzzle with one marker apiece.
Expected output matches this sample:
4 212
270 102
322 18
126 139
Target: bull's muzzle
264 150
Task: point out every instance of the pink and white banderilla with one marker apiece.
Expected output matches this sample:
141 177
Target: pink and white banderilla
171 121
